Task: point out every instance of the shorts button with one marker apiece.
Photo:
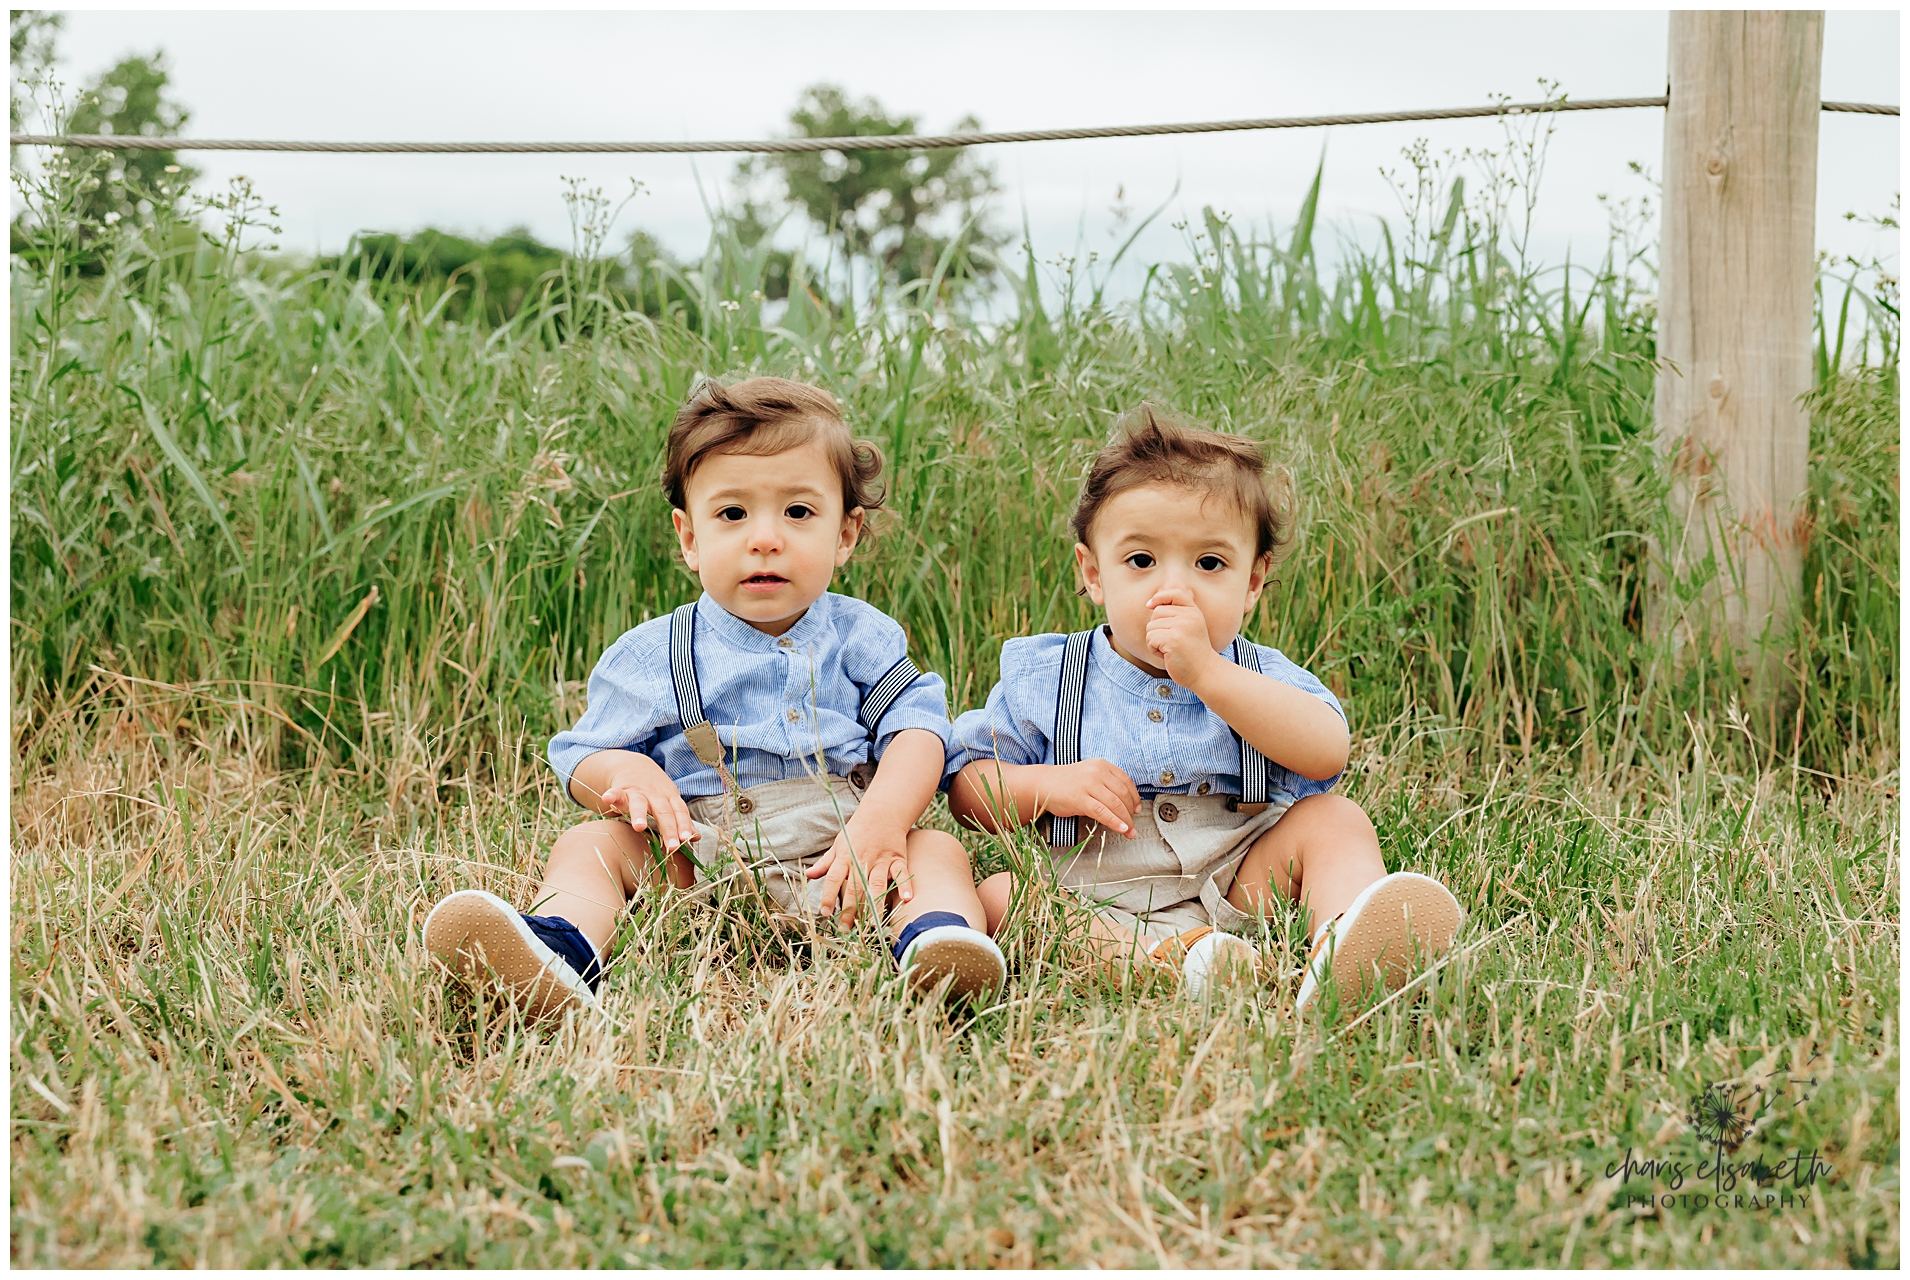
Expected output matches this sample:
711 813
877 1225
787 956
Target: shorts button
744 804
1168 813
1203 789
795 716
1155 716
1166 691
1167 777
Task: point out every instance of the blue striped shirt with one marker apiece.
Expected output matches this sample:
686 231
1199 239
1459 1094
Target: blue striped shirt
776 702
1184 749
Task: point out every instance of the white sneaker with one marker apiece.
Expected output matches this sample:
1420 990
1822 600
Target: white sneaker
1209 959
971 956
1203 957
472 931
1398 922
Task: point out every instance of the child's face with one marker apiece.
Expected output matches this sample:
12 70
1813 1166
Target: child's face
1162 544
765 534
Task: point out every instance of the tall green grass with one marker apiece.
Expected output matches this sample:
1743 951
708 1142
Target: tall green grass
219 458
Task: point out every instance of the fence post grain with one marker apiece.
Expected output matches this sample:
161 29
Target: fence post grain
1736 268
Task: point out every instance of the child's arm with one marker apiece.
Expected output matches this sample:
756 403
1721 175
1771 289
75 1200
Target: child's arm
987 790
1288 726
998 750
631 784
877 833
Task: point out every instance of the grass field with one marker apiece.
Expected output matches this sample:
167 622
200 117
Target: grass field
304 574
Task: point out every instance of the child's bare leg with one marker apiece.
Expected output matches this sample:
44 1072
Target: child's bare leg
1110 940
1117 943
940 955
594 869
942 881
1322 853
997 894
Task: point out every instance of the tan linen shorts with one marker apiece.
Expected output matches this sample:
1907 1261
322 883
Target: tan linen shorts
1174 875
773 833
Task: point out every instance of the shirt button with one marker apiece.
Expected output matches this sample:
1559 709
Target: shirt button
1167 777
1168 813
1166 691
795 716
786 643
1155 716
1203 789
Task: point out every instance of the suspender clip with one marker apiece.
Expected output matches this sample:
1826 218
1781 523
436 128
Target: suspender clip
703 740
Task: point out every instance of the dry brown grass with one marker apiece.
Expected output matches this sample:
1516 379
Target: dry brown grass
229 1049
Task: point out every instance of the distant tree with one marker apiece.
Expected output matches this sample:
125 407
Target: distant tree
30 37
131 101
892 208
492 280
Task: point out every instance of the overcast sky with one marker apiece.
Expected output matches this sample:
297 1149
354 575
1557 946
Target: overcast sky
502 75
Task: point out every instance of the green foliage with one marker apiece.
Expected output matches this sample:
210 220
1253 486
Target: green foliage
884 206
1480 496
488 282
130 100
498 276
31 34
752 224
97 189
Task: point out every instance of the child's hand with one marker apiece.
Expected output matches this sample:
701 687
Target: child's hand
1096 789
1177 635
641 791
880 850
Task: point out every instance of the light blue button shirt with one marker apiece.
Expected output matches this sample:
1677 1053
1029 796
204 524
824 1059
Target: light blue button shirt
775 701
1159 733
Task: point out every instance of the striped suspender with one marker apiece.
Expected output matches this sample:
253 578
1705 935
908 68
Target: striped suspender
689 698
1067 724
1253 765
876 703
1069 701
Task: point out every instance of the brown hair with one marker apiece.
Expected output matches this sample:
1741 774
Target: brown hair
763 416
1150 447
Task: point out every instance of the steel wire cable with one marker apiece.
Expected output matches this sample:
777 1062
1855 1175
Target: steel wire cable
867 142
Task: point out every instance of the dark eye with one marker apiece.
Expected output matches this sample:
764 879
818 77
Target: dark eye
732 514
1210 564
799 511
1141 560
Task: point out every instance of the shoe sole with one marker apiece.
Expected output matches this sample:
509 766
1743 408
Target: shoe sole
977 970
1409 920
473 933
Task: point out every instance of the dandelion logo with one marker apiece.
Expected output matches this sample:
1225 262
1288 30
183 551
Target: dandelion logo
1715 1118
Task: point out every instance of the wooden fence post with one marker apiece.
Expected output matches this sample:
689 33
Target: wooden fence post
1737 264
